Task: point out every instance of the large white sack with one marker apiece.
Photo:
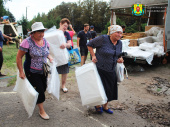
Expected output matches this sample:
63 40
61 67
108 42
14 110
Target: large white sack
55 38
90 85
147 46
27 94
54 82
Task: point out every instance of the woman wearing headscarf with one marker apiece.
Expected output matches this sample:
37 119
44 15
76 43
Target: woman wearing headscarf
108 48
36 51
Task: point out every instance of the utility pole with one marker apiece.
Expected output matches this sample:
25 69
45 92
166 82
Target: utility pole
26 11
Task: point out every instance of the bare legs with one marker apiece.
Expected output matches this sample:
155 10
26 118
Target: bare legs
63 78
83 60
42 111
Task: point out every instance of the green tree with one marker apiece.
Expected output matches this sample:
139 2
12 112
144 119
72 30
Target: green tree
24 23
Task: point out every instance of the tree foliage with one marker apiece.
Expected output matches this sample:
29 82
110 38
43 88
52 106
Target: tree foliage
4 11
93 12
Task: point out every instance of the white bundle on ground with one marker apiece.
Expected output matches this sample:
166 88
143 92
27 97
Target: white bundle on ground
54 82
90 85
55 38
27 94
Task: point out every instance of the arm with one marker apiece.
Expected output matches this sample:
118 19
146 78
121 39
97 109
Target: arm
66 45
78 40
94 59
50 58
7 37
72 29
20 54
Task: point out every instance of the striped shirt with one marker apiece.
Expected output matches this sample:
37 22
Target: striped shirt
106 52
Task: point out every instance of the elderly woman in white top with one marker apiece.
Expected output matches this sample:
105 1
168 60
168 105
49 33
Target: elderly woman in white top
108 48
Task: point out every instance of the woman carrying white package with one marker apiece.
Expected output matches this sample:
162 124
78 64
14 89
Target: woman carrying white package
36 51
108 47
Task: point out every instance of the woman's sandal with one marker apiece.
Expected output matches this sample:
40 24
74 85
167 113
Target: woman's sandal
108 111
44 117
65 90
99 109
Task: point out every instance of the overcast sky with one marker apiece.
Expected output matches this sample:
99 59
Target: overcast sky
18 7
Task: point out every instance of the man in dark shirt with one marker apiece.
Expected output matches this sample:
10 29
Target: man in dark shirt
93 33
82 38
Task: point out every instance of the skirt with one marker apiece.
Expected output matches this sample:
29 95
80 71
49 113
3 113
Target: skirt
109 81
63 69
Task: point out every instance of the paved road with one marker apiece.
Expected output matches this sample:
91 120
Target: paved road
67 112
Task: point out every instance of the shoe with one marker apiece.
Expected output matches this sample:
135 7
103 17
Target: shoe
99 110
2 74
65 90
45 117
108 111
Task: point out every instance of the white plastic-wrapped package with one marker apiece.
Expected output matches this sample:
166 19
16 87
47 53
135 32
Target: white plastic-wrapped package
90 85
54 82
153 31
27 94
120 67
125 44
55 38
147 46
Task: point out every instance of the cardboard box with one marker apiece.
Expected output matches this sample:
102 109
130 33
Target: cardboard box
133 42
150 26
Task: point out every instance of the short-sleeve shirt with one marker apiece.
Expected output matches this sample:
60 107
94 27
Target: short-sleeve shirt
71 35
67 36
84 38
5 17
35 55
106 52
93 34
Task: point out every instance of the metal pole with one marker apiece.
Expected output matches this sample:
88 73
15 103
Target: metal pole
26 13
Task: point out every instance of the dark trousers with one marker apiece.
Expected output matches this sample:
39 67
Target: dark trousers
1 60
39 82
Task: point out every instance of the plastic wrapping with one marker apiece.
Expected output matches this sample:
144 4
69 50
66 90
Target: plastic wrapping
146 46
55 38
54 82
125 44
27 94
153 31
90 85
120 67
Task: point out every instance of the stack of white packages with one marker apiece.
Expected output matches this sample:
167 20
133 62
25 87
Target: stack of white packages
27 94
55 38
90 85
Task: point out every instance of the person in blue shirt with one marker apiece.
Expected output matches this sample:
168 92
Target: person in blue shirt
2 36
5 18
108 49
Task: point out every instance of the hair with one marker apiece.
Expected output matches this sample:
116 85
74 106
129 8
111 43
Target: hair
65 20
86 24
